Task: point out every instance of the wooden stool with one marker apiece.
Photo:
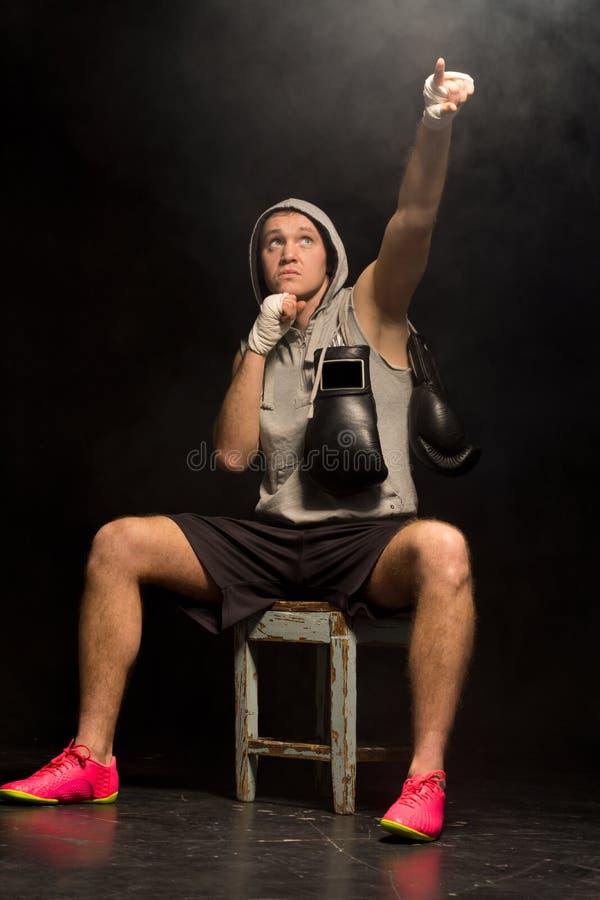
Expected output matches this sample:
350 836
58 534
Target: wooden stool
329 629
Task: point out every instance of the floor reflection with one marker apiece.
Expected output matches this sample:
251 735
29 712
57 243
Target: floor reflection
61 836
339 848
415 872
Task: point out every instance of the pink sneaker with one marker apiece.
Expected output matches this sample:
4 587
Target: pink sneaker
418 813
72 777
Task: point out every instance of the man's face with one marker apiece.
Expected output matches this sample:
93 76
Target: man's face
293 255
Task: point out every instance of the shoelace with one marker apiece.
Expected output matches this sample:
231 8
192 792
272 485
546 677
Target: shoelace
421 787
69 755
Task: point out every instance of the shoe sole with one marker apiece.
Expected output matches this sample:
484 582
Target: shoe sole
397 828
23 797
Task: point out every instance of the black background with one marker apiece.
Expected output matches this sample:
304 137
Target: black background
141 141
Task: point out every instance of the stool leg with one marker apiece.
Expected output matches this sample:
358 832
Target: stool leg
246 712
343 713
322 771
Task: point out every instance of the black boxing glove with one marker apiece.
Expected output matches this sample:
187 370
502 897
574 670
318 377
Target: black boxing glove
435 433
342 451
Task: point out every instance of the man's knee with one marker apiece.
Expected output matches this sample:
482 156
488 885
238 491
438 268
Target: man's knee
118 546
441 553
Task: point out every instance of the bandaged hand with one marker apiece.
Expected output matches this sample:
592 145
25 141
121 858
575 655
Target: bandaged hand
444 94
277 312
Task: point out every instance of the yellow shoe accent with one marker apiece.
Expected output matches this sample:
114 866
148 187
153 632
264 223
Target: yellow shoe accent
25 798
110 799
396 828
10 794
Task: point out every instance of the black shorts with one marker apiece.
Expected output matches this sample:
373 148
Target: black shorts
254 564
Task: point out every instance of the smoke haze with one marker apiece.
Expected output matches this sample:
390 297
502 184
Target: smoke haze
143 141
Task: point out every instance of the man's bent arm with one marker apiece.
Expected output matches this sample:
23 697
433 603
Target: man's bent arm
236 431
236 435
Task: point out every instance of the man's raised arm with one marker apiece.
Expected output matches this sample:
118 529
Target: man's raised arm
385 288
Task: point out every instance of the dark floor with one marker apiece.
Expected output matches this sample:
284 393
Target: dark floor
514 838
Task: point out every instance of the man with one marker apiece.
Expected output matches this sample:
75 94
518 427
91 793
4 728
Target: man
362 549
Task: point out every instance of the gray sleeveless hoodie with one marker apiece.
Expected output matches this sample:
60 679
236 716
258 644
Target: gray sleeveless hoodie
287 495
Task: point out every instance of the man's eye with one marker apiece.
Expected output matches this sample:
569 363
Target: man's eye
307 240
276 242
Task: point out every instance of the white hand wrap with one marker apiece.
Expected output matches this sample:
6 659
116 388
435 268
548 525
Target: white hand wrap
434 98
268 328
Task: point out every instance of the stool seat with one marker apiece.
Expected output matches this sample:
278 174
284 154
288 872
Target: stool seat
336 637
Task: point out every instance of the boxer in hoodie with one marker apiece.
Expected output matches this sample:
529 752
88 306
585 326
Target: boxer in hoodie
365 549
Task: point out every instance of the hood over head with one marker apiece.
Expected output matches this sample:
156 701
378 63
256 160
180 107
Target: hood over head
337 265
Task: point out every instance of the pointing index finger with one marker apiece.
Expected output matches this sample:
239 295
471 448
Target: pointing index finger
439 71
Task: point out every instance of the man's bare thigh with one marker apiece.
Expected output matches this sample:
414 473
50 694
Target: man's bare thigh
161 554
424 546
392 581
